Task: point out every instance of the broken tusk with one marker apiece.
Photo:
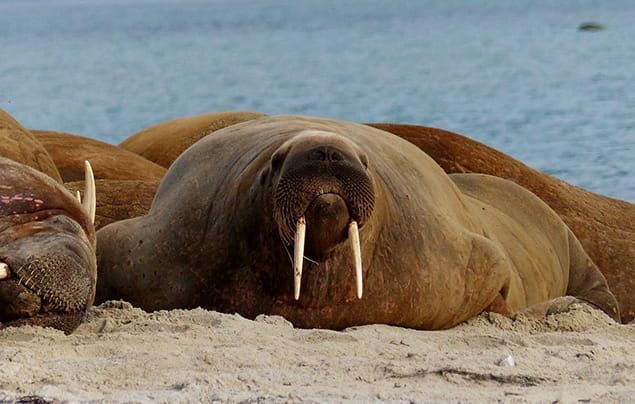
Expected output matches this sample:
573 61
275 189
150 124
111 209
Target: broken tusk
79 197
4 271
90 199
353 235
298 256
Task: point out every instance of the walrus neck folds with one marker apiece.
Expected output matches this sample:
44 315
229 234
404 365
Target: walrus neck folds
323 195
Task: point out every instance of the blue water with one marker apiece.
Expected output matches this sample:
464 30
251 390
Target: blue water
516 75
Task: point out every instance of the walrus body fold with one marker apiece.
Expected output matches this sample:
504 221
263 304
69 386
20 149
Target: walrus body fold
604 226
534 239
435 250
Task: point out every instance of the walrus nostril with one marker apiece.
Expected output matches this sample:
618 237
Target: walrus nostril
317 155
325 153
335 155
276 161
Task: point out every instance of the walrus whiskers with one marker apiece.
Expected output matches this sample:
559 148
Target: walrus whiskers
4 271
353 235
90 199
298 256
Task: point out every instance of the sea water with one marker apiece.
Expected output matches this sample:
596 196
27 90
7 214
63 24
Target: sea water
516 75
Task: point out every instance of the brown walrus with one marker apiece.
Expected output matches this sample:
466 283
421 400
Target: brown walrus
18 144
332 224
109 162
47 249
119 200
164 142
605 226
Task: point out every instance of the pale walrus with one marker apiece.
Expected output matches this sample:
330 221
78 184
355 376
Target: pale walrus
605 226
47 249
18 144
109 162
332 224
164 142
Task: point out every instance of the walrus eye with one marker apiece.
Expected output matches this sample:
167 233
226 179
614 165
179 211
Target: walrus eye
364 160
263 176
4 271
336 156
276 161
65 223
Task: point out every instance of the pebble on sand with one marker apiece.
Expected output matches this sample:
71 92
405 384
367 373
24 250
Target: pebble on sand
507 362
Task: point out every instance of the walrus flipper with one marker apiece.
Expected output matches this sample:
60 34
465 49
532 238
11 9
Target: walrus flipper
550 277
587 283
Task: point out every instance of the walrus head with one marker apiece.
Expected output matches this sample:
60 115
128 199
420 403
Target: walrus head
47 249
322 197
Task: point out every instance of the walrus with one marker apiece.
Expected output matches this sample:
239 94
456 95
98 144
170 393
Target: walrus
47 249
109 162
18 144
164 142
119 200
333 224
604 226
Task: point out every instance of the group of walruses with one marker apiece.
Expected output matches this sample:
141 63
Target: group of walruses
328 223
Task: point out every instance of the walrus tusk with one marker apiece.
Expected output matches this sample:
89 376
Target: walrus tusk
353 234
4 271
90 199
298 256
79 197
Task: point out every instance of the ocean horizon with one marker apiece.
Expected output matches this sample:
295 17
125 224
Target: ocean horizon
518 76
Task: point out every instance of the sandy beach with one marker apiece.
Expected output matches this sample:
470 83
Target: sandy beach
124 354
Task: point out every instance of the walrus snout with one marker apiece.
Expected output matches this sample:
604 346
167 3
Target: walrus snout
46 269
314 164
327 220
59 270
322 195
325 153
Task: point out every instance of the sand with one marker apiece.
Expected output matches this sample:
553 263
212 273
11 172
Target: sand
124 354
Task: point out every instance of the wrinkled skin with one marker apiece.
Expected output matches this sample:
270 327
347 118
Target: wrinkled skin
604 226
435 250
48 243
